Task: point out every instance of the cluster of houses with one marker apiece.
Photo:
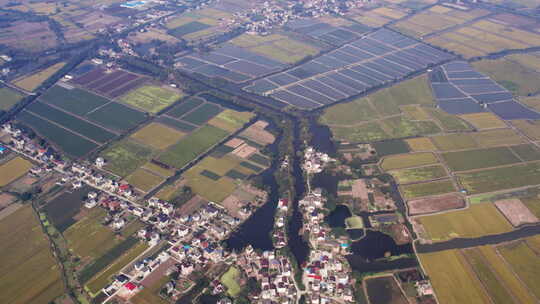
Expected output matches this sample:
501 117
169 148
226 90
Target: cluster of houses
279 235
273 271
314 161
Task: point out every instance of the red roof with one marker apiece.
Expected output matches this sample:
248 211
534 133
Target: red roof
130 286
124 187
317 277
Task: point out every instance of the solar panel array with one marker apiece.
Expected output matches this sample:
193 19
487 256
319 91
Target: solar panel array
459 89
378 58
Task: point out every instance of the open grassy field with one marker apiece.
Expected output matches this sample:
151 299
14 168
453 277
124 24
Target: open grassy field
346 114
510 74
525 263
451 275
13 169
151 98
354 222
480 158
157 136
449 142
88 239
426 189
446 121
230 280
531 128
230 120
29 272
192 146
214 189
368 132
420 144
402 161
413 91
144 180
150 294
405 176
104 277
125 157
484 120
9 98
31 82
400 127
476 221
415 112
501 178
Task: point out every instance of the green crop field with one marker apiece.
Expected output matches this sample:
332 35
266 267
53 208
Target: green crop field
177 124
157 136
367 132
13 169
480 158
202 114
448 122
400 126
212 189
70 122
151 98
76 101
404 176
30 273
117 116
67 141
421 144
354 222
495 288
230 280
102 240
230 120
125 157
449 272
402 161
527 152
144 180
188 28
500 137
515 77
476 221
501 178
346 114
531 128
192 146
454 142
185 106
525 263
391 147
484 120
414 91
9 98
426 189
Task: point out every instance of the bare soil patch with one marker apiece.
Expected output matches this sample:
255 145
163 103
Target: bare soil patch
193 204
435 204
515 212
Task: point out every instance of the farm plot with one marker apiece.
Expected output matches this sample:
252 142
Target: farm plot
501 178
524 262
515 77
450 142
332 30
454 274
527 152
31 82
480 158
420 174
412 191
515 212
151 98
476 221
192 145
391 147
381 290
354 68
493 138
230 280
531 128
111 83
435 204
126 156
350 113
117 116
484 120
198 24
157 136
144 180
13 169
30 273
421 144
377 17
408 160
9 98
230 120
61 210
462 87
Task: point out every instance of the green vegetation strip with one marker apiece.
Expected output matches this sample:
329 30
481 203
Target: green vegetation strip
501 178
478 159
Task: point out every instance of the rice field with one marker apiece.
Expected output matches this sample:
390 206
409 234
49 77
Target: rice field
230 120
405 176
157 136
421 144
427 189
476 221
493 138
484 120
9 98
144 180
525 263
346 114
480 158
126 156
408 160
13 169
449 142
531 128
31 82
151 98
515 77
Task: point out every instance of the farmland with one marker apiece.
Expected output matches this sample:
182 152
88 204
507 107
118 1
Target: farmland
475 221
144 180
192 145
230 280
408 160
110 83
404 176
510 74
524 262
126 156
30 273
426 189
501 178
485 120
151 98
31 82
435 204
381 290
454 142
13 169
480 158
454 274
9 98
157 136
61 210
420 144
